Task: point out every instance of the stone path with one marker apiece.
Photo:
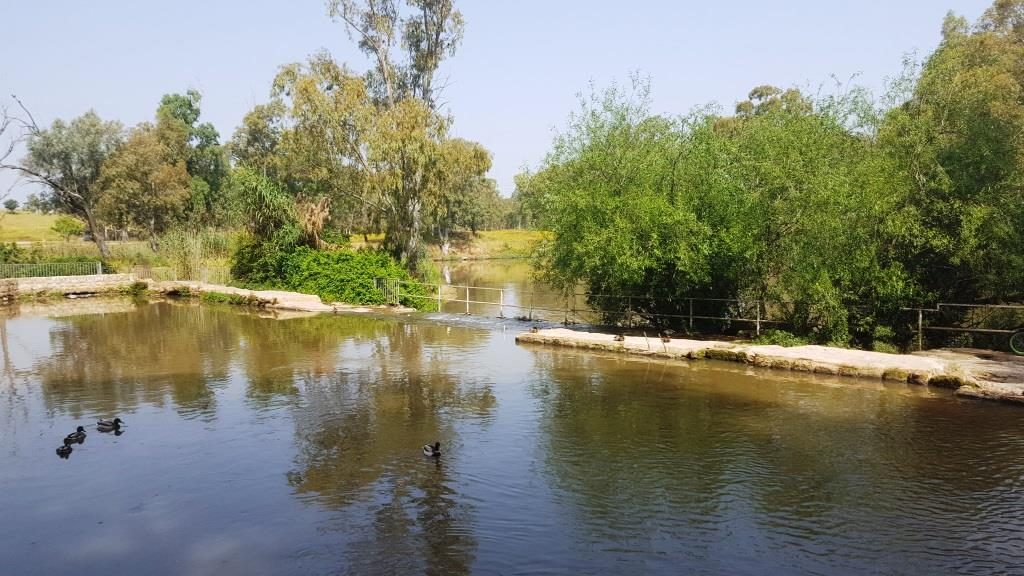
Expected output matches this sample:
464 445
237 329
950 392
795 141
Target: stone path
973 373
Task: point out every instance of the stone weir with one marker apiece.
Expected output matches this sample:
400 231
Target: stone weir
971 373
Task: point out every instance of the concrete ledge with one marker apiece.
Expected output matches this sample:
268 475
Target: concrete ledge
971 373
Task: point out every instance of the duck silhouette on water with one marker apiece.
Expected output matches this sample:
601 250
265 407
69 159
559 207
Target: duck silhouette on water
65 451
432 451
110 426
78 436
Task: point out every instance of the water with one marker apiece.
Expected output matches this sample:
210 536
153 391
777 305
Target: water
260 446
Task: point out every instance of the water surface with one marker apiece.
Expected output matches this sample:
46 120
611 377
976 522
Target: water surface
262 446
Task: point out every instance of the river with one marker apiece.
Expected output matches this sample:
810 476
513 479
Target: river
261 446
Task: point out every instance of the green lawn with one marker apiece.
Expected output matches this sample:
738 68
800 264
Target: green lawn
27 226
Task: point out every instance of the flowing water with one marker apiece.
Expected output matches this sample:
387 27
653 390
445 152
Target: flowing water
293 446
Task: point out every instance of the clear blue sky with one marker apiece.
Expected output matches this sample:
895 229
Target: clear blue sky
512 82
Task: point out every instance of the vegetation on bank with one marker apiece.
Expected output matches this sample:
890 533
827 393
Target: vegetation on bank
835 210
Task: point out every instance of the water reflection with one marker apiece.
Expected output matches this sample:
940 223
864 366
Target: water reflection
636 456
294 447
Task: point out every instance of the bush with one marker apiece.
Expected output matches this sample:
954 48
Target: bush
231 299
135 289
335 276
68 226
346 276
780 338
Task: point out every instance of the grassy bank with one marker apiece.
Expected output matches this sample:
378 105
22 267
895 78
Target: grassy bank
484 245
27 227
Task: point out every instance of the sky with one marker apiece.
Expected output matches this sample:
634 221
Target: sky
513 82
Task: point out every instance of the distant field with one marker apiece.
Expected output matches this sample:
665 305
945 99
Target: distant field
27 227
486 244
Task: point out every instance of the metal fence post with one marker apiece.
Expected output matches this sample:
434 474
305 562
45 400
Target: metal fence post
501 303
439 304
398 293
920 330
467 300
758 324
629 312
691 314
99 268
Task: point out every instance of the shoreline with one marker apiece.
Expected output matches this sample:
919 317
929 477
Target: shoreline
980 374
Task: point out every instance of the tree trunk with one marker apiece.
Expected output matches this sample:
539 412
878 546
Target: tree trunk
94 230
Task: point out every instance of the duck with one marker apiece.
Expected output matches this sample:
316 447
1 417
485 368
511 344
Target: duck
666 335
65 450
620 338
77 436
534 330
434 451
109 425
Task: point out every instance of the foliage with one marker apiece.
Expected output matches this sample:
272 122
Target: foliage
66 159
11 205
231 299
206 160
346 276
68 227
136 289
780 338
145 182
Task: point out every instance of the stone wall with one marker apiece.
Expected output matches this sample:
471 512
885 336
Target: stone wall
74 284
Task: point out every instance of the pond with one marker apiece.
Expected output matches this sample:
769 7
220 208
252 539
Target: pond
293 446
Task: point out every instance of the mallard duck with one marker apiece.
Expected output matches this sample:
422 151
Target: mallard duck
65 450
109 425
433 451
620 338
77 436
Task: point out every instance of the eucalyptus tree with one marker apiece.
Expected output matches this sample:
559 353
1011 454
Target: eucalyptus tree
427 31
66 160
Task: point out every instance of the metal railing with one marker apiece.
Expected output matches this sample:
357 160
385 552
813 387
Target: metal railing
50 269
1013 309
751 312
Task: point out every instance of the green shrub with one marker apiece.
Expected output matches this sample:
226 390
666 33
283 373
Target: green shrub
333 275
135 289
347 276
231 299
780 338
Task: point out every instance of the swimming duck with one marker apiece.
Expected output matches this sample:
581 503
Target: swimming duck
434 450
65 450
620 338
76 436
109 425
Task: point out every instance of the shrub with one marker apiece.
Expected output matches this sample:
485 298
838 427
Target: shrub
67 226
347 276
135 289
780 338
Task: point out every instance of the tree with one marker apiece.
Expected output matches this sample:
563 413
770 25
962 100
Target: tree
66 159
206 159
38 203
145 182
430 32
462 191
68 227
11 205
